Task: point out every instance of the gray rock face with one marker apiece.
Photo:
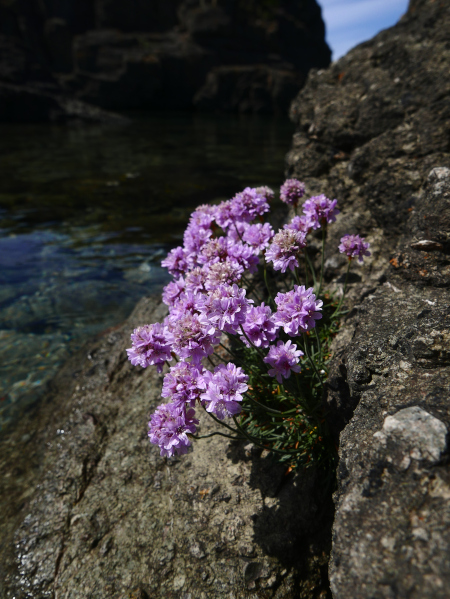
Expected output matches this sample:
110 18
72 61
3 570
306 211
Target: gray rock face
373 131
100 514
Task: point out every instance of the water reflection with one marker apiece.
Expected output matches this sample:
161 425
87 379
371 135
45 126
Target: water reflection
86 213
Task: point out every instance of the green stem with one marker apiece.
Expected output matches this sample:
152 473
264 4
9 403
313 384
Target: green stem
197 437
323 259
311 268
306 345
267 285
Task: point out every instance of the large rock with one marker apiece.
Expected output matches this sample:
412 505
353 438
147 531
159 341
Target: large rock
90 509
371 130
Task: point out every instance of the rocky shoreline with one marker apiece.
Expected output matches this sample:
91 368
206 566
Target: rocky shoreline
92 511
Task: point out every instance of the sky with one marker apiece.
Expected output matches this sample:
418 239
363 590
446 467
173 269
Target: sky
350 22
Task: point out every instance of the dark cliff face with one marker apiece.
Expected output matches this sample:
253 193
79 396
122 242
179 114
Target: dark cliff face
211 54
374 131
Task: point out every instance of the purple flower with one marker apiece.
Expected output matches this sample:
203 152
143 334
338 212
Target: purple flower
247 205
215 250
169 427
195 238
224 389
354 246
203 216
284 249
226 307
176 261
182 384
195 280
283 358
259 326
291 191
223 215
236 230
186 303
244 255
301 223
193 336
297 311
151 344
321 210
265 192
258 236
172 291
223 273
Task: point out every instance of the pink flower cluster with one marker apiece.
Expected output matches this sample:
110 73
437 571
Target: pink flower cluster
205 299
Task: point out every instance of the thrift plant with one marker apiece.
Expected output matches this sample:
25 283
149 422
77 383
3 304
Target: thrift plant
247 339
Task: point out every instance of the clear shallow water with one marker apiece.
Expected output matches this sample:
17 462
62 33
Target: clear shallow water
86 215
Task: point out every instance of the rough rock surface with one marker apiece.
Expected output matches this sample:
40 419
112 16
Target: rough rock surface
246 56
373 131
92 510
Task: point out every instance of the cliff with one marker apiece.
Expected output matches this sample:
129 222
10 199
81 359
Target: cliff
210 54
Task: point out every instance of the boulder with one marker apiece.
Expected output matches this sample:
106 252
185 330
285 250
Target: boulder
373 131
91 509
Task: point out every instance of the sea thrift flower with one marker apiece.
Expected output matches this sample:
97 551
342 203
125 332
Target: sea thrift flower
193 337
176 262
169 427
223 273
284 249
247 205
283 358
224 389
195 280
301 223
195 238
265 192
182 384
151 344
187 302
321 210
292 191
223 215
172 291
258 236
244 255
225 307
297 311
354 246
236 230
259 326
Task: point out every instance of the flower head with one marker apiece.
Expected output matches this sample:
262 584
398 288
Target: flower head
247 205
283 358
172 291
302 223
259 326
225 307
258 236
297 311
284 249
151 344
354 246
292 191
223 273
321 210
182 384
193 336
176 261
224 389
169 427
